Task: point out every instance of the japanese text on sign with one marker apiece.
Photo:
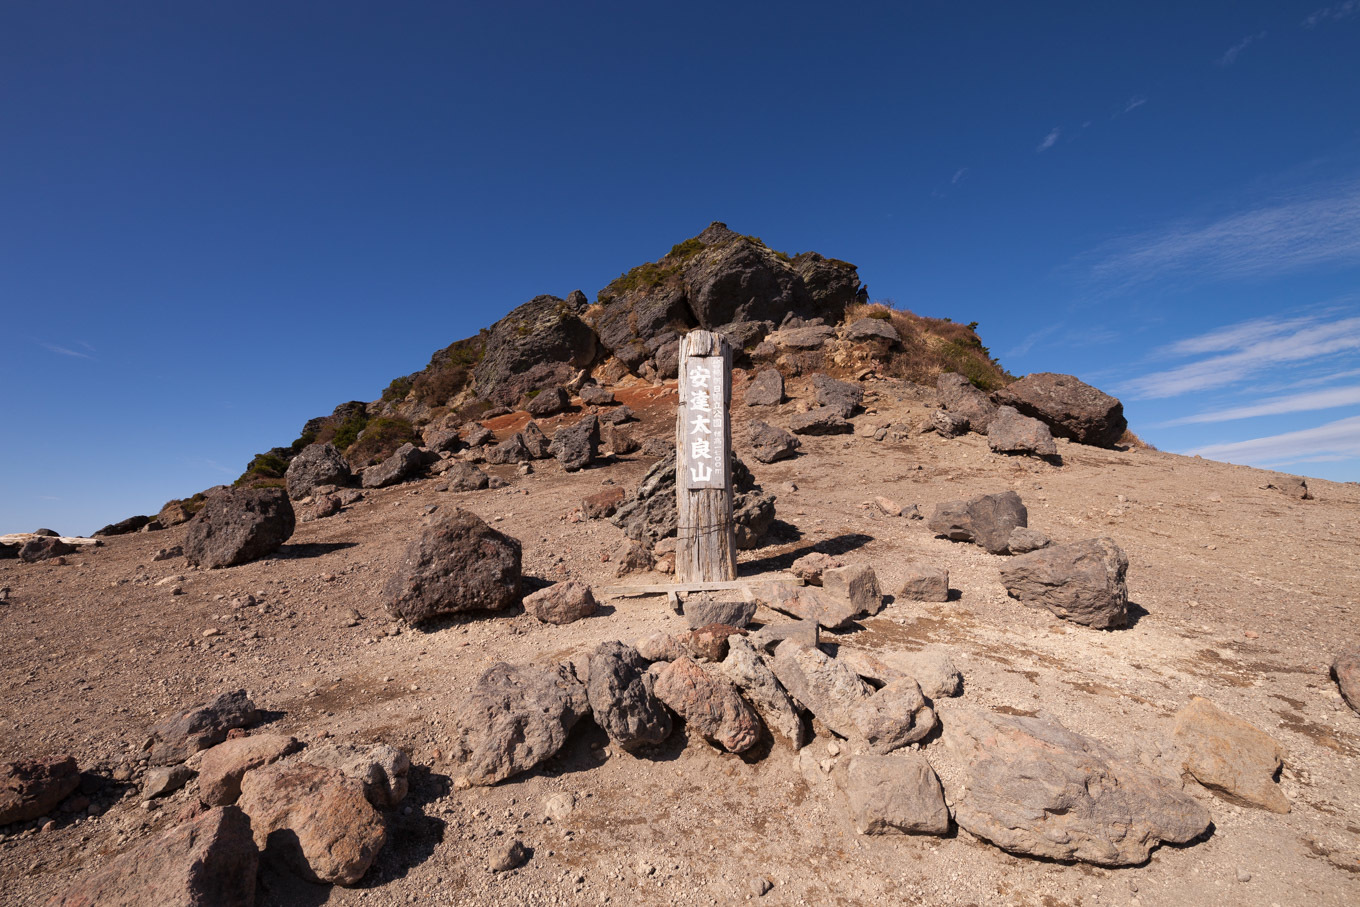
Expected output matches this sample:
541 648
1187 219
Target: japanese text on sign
705 421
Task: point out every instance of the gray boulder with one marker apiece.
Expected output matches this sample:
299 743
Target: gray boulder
516 717
893 795
177 737
960 397
747 668
925 583
948 425
620 693
577 446
822 685
820 420
649 515
464 476
1083 582
44 548
987 520
549 402
1069 407
1031 786
857 584
403 464
704 610
317 464
1012 433
765 389
770 444
841 397
594 395
457 564
561 603
381 770
872 330
240 525
511 450
537 443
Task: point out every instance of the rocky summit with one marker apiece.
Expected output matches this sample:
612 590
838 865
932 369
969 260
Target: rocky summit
986 647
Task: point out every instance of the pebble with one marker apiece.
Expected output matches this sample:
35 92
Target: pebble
760 886
1243 875
212 631
511 856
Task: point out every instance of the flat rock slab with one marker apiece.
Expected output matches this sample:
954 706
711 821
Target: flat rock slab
209 861
704 610
808 603
893 795
516 717
1031 786
1233 758
1083 582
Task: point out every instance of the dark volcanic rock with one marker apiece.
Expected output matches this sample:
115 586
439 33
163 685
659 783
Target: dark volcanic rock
840 396
122 527
594 395
30 788
549 402
771 444
458 564
239 525
765 389
511 450
402 465
465 477
515 717
949 425
987 520
535 441
540 344
1032 786
318 464
820 420
577 446
1071 408
1082 582
649 515
1011 432
960 397
620 692
209 861
43 548
178 737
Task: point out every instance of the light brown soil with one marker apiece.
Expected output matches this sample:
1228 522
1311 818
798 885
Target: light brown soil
94 651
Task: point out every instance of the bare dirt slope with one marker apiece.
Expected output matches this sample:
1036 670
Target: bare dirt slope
1244 596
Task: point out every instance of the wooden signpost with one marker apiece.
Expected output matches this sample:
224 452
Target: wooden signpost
706 546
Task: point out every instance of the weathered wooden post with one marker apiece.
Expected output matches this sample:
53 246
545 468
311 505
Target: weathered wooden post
706 544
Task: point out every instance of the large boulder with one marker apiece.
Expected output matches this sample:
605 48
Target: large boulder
765 389
577 446
841 397
240 525
1031 786
962 399
44 547
516 717
511 450
747 668
1083 582
30 788
315 820
716 280
987 520
403 464
769 443
541 344
380 769
893 795
457 564
317 464
208 861
1233 758
621 698
1071 408
549 402
1012 433
178 736
710 704
650 515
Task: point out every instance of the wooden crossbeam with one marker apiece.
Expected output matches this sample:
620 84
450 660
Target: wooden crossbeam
686 588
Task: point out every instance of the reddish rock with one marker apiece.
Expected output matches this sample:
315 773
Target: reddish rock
209 861
1346 670
709 703
602 504
561 603
30 788
221 768
1231 757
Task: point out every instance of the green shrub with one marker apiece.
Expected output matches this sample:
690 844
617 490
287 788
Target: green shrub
398 389
380 439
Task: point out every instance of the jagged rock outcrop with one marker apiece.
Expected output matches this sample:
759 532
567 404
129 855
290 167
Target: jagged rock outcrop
716 280
649 515
540 344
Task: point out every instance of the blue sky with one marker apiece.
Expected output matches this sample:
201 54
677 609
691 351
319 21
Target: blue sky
219 220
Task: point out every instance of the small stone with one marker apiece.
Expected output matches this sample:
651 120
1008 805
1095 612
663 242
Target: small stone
760 886
509 856
1243 876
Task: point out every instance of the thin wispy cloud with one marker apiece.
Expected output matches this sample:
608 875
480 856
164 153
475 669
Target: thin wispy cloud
1334 13
1232 53
1307 230
1275 406
1253 348
958 175
1134 104
1049 140
64 351
1334 440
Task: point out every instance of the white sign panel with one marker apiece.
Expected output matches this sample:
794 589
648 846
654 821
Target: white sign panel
705 420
